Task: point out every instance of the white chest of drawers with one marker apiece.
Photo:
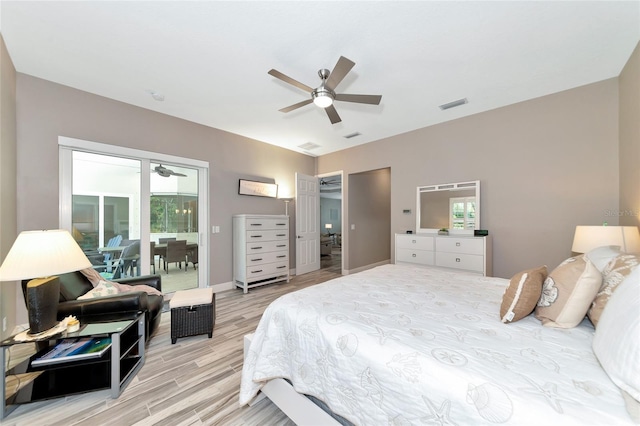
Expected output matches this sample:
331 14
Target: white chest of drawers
467 253
260 250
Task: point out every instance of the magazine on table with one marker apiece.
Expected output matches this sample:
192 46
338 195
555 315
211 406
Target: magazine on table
74 349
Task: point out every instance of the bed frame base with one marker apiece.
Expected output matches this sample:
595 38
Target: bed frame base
295 405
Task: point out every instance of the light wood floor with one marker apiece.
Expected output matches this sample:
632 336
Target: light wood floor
179 279
194 382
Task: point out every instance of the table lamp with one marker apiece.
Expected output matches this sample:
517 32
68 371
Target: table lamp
586 238
42 254
328 226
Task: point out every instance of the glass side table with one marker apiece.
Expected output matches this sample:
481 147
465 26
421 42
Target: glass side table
113 370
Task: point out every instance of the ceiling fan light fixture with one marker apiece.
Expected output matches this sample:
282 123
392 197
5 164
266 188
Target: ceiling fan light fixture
322 97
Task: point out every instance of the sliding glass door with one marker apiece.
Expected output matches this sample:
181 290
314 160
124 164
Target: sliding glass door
123 207
105 199
174 223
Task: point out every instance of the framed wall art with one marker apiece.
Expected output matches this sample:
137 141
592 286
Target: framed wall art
258 189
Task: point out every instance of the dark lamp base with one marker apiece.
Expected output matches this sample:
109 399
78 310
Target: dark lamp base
42 304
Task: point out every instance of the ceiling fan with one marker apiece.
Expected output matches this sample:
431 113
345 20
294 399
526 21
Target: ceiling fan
330 182
324 95
164 172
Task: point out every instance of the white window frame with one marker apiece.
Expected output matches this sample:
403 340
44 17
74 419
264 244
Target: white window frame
465 221
67 145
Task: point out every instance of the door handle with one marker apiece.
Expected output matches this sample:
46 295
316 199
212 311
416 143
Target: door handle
299 236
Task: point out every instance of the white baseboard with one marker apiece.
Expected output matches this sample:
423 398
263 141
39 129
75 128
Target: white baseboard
217 288
364 268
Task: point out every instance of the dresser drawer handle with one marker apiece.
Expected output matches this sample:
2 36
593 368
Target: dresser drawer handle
280 267
281 256
281 224
281 245
255 224
413 255
256 260
281 235
458 244
255 272
256 248
256 236
457 259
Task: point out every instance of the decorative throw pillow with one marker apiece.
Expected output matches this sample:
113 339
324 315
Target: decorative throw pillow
616 343
612 275
103 288
568 292
522 295
601 256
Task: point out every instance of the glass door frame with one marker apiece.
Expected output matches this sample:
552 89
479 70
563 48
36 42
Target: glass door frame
67 145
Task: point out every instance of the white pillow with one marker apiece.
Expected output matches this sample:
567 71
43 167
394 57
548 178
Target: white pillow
103 288
617 338
601 256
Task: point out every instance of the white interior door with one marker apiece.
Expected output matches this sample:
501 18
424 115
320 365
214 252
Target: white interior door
307 224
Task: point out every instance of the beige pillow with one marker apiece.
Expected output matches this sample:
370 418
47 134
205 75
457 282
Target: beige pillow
613 274
104 288
522 295
568 292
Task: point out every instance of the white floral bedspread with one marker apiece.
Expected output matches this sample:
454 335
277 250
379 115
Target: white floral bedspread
406 345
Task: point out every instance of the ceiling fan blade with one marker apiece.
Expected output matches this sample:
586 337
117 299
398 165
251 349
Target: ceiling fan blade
296 106
287 79
333 114
343 66
361 99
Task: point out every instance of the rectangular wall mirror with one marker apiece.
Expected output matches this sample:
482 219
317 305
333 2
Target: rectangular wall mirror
454 206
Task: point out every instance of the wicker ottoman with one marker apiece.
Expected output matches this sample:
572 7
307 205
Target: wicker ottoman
192 312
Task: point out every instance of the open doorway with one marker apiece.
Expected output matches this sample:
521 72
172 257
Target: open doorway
330 186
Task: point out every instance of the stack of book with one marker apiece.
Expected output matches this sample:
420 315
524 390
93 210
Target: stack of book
73 350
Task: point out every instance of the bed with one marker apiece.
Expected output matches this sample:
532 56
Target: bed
404 345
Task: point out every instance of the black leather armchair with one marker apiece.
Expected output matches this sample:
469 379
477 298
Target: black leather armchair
109 308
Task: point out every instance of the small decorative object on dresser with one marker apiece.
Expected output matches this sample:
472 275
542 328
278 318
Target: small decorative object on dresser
443 231
260 250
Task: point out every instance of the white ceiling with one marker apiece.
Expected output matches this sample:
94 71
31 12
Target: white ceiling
210 59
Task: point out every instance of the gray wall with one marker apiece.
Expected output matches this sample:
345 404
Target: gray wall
47 110
8 196
369 198
545 166
629 210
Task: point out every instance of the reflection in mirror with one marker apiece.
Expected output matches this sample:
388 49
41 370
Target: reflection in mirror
454 206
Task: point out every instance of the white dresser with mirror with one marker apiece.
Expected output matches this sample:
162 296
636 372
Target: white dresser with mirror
456 208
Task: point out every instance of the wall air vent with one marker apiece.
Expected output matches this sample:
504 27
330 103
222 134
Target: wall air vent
453 104
309 145
352 135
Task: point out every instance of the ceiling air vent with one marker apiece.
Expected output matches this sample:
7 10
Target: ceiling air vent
453 104
352 135
309 145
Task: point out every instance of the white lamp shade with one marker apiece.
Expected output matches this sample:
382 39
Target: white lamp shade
587 238
328 226
37 254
